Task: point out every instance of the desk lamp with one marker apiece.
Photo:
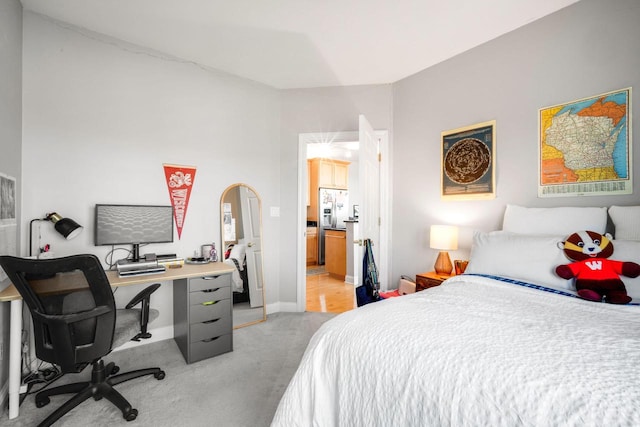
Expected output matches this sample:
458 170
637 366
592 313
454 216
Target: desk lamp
67 227
444 238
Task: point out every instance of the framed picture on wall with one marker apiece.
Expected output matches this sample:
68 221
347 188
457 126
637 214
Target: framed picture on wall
585 146
468 162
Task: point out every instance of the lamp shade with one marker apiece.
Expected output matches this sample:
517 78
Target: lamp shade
65 226
444 237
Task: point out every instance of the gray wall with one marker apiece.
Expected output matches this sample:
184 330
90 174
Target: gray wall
318 110
583 50
10 132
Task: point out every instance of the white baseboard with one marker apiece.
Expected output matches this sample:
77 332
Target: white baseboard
287 307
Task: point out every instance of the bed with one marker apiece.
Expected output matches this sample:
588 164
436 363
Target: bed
506 344
235 256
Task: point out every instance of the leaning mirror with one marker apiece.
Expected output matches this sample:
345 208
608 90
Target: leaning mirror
241 231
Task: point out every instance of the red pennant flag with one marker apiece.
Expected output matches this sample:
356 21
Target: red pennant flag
179 183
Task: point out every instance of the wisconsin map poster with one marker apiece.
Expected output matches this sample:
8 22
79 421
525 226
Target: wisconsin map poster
468 162
585 147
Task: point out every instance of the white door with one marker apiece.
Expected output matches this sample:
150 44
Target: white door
250 205
369 176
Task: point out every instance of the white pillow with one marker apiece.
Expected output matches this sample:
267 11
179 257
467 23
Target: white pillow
562 221
626 219
628 250
528 258
238 252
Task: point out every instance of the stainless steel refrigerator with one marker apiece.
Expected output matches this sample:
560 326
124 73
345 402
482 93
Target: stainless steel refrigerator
334 210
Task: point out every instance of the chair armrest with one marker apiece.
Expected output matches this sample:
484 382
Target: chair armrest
142 295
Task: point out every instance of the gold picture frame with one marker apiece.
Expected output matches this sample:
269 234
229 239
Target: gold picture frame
467 162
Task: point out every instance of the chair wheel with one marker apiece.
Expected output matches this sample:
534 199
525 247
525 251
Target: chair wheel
42 401
131 415
159 375
115 370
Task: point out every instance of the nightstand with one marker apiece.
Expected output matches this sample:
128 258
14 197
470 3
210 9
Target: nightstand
429 280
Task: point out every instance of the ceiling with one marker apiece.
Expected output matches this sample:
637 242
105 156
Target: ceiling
304 43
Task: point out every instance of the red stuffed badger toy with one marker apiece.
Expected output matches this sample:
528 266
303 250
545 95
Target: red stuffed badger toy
596 275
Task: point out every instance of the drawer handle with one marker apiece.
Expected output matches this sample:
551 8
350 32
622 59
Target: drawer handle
210 339
210 302
211 321
210 290
210 277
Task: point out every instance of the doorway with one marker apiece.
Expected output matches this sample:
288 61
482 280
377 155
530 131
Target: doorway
332 169
385 211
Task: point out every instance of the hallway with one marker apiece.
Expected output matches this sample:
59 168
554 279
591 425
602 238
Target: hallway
326 294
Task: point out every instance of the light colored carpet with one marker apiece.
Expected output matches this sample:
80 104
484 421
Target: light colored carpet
236 389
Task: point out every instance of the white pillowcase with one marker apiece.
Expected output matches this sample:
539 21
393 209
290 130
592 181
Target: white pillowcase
628 250
626 219
562 221
238 252
525 257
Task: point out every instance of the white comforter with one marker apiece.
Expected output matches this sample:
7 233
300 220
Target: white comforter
236 280
471 352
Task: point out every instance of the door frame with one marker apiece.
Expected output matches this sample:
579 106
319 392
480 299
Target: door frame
384 264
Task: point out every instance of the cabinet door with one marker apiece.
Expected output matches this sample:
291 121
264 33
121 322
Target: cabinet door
341 176
326 178
312 207
312 246
308 183
336 253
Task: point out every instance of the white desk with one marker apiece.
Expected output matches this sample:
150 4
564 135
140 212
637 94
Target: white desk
10 294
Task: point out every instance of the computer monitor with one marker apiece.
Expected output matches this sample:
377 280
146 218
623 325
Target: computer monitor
133 225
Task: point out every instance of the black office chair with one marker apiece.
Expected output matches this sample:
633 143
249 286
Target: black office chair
74 324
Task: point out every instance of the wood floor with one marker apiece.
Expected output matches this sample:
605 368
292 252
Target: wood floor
328 295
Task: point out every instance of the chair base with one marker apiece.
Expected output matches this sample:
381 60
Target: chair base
103 378
141 335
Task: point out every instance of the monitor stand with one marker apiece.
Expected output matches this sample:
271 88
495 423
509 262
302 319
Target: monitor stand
135 256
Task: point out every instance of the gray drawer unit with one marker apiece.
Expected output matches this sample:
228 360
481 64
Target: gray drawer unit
202 318
205 296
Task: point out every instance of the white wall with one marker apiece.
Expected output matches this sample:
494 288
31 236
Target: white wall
100 119
588 48
10 138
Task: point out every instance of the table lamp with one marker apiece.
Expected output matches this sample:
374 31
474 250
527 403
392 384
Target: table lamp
444 238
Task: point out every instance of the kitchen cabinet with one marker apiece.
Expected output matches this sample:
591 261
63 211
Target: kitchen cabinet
324 173
308 183
312 245
333 174
336 253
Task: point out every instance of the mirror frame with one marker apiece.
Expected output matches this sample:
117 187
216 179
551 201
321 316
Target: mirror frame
223 247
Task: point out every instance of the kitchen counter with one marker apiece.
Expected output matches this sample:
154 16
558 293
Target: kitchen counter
336 253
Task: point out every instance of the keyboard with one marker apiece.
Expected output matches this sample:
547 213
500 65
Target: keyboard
159 269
